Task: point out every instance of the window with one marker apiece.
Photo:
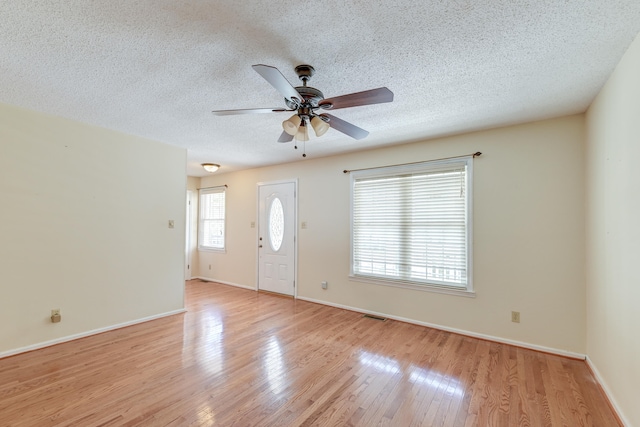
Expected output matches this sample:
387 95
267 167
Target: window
276 225
411 225
211 224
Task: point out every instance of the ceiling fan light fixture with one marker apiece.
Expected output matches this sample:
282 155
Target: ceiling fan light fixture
210 167
303 133
320 127
292 124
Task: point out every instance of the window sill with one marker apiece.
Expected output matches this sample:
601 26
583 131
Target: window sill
439 289
214 250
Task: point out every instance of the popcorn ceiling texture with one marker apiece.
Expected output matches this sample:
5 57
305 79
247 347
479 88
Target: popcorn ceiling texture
157 68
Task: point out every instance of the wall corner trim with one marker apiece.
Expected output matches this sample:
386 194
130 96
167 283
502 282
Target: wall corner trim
67 338
607 392
222 282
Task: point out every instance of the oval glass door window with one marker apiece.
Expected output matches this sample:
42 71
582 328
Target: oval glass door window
276 224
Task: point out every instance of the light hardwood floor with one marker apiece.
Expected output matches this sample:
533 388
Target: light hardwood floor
243 358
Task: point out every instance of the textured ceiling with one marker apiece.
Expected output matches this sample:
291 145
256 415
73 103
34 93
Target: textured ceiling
157 68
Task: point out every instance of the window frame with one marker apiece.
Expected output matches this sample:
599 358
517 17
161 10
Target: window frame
428 166
203 192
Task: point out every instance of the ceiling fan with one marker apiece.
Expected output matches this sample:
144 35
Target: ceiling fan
306 101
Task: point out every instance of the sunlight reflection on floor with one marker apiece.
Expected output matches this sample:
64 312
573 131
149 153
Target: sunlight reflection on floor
274 366
419 376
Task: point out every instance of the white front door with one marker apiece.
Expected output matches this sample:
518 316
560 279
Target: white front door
276 238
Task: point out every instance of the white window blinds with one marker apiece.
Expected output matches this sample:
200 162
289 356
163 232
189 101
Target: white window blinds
411 224
211 230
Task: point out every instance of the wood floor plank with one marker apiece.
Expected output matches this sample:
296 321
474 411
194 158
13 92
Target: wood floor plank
239 357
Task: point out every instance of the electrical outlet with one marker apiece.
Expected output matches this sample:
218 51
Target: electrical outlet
303 225
324 285
171 223
55 315
209 266
253 224
515 316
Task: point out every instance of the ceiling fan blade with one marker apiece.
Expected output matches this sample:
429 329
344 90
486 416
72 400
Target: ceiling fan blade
278 81
345 127
249 111
285 137
367 97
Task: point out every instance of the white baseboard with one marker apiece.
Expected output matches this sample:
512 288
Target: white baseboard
607 391
208 279
454 330
87 333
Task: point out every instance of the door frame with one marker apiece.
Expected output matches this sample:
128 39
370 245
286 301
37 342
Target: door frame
188 231
293 181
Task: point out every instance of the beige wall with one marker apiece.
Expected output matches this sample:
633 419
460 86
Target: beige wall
84 228
528 233
613 234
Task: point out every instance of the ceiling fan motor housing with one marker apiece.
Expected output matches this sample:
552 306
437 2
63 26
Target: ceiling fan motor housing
311 97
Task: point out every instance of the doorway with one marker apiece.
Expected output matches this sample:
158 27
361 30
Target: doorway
277 237
188 243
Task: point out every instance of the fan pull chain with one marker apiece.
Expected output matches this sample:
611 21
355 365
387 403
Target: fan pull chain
304 148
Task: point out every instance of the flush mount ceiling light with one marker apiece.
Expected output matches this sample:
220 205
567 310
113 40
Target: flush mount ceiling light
210 167
305 101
